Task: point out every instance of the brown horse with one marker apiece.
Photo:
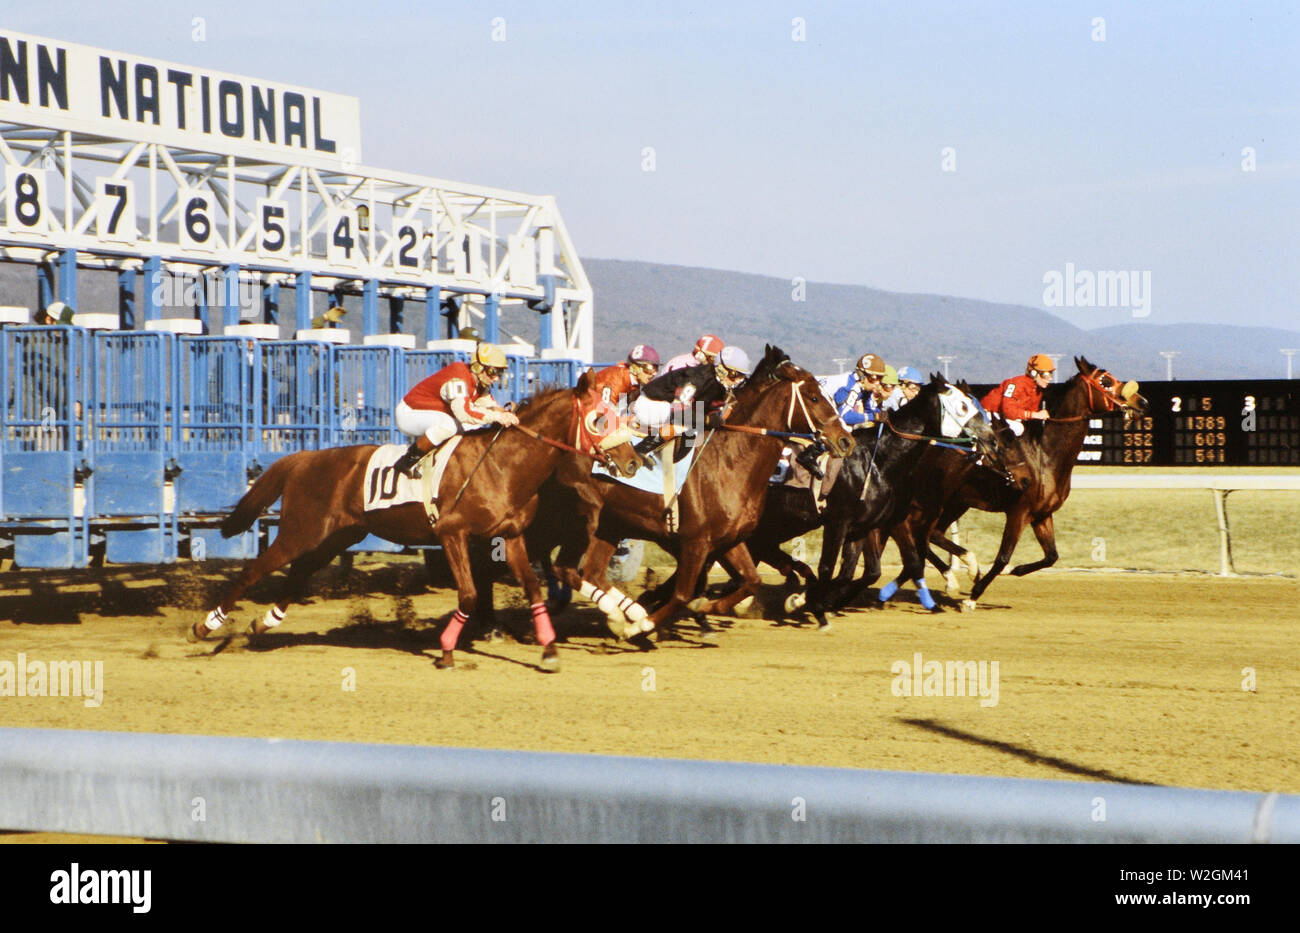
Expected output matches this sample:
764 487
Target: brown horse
495 475
1050 450
720 503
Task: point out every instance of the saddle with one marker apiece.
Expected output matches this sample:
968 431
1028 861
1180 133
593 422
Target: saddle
386 488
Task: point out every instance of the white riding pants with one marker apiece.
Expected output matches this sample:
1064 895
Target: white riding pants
437 426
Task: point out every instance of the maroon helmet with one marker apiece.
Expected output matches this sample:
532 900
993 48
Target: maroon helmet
643 353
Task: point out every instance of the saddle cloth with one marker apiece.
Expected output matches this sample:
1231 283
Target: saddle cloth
650 478
385 487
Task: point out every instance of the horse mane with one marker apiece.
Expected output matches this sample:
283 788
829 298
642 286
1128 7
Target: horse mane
538 397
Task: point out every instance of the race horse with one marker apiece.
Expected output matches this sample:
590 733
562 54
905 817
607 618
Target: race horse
495 473
719 504
873 490
1047 451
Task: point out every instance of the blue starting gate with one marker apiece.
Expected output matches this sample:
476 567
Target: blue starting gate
145 441
45 446
216 391
132 409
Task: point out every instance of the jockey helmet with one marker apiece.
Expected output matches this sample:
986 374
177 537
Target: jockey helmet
732 366
707 348
470 333
910 374
1040 362
488 364
890 378
643 363
870 365
643 353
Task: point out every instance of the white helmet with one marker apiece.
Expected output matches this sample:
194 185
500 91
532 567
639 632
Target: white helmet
735 359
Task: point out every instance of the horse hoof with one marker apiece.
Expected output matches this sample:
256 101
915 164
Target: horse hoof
446 662
198 632
950 584
744 606
619 628
936 608
795 601
968 605
823 624
698 604
550 659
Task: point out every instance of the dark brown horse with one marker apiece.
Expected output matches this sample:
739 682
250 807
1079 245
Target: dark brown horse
1049 450
489 489
720 503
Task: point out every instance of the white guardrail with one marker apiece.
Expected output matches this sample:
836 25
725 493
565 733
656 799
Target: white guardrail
203 788
1221 484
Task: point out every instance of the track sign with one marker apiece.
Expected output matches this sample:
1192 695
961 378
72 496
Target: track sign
25 208
197 227
115 210
342 241
272 229
409 246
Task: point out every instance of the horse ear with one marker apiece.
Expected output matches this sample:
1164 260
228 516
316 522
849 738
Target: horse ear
584 381
1082 363
936 379
964 386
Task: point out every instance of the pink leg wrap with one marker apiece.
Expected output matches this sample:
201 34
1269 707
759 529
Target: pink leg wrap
452 632
542 623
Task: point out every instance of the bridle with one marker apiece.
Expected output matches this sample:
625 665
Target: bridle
796 400
1096 381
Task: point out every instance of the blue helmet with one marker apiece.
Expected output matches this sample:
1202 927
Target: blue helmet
909 374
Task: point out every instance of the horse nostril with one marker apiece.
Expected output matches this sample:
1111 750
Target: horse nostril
1024 483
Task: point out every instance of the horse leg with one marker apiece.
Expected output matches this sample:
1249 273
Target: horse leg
819 597
1046 535
300 573
268 562
742 562
914 565
456 547
521 566
694 553
624 616
1017 518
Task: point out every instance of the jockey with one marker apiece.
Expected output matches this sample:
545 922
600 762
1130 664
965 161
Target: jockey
857 399
909 381
706 350
668 397
1021 396
455 399
627 377
893 395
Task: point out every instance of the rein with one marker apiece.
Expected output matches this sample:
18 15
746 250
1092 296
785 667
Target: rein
952 443
795 394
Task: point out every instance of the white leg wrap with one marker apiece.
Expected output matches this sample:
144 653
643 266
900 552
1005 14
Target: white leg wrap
216 618
274 616
628 607
606 602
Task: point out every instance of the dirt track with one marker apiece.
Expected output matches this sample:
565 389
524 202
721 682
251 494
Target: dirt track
1106 676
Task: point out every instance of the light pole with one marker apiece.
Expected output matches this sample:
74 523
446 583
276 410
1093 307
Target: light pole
945 360
1169 363
1289 354
1055 358
840 361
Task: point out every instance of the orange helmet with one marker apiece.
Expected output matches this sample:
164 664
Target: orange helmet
1040 362
709 347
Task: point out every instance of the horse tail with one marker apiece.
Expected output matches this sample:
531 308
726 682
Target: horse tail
268 487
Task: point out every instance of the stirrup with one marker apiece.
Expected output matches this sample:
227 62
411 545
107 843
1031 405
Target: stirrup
648 446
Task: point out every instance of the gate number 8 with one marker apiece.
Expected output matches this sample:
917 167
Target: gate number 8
27 205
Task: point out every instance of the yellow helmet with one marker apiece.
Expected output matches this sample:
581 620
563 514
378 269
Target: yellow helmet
890 378
488 354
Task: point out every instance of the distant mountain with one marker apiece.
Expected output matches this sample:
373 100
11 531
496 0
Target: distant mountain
670 306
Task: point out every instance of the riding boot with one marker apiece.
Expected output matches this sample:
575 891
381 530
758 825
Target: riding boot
807 459
406 463
648 446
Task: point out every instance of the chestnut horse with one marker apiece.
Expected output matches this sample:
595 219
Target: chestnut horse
720 503
489 489
1049 449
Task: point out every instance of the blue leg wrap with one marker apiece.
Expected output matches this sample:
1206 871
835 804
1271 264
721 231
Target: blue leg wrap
888 590
923 592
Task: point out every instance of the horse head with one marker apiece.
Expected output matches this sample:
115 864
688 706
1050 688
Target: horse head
999 449
1106 393
808 410
600 432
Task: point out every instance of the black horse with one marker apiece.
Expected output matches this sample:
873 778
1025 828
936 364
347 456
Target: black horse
874 489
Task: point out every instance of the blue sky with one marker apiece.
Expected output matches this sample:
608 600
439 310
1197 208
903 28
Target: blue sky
823 158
